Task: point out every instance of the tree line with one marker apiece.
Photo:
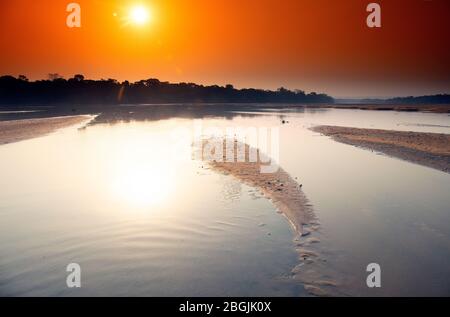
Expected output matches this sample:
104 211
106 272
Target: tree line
79 90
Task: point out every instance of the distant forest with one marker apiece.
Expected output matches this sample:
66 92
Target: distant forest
78 90
434 99
420 100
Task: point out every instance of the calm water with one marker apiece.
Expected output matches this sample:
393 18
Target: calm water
128 203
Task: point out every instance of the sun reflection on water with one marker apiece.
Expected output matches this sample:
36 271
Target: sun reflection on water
142 172
143 186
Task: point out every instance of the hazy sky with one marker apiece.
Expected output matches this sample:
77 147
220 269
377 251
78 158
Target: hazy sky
320 45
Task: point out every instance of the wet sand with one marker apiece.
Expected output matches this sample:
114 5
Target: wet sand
427 149
441 108
287 196
279 187
19 130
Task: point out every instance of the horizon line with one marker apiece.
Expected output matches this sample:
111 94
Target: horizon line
336 98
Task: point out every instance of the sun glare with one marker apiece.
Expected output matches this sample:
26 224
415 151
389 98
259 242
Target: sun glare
143 186
139 15
140 176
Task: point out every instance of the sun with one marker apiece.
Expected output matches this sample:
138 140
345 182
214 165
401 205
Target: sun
139 15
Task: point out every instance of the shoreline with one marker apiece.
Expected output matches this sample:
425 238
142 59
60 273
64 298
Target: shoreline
423 148
19 130
279 187
286 195
424 108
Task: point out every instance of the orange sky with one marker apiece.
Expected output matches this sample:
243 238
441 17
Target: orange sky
321 45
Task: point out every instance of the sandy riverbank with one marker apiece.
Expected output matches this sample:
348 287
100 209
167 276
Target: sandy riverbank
18 130
279 187
428 149
288 198
388 107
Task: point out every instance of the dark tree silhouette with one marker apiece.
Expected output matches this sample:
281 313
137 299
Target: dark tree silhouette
23 78
78 77
109 91
54 76
434 99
